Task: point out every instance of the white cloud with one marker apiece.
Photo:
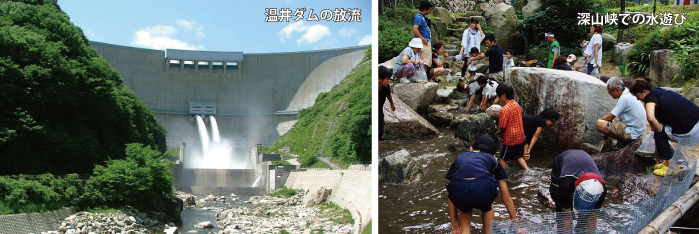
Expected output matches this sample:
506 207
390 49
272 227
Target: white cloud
191 26
161 30
313 34
187 25
347 32
159 37
286 32
366 40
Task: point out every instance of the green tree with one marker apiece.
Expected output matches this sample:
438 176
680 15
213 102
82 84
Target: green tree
560 18
136 180
62 107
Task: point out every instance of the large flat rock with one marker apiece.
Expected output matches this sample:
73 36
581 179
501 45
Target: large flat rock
442 95
418 96
405 122
579 98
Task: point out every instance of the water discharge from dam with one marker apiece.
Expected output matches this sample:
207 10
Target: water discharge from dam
214 130
216 152
203 134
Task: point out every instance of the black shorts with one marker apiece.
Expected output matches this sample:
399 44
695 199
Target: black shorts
514 152
478 193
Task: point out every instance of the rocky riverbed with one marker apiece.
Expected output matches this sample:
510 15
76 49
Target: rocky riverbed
267 214
126 221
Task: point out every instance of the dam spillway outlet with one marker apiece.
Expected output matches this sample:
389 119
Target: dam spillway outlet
217 152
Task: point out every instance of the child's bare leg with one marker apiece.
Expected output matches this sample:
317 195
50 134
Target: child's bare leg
503 163
454 217
465 219
487 218
523 163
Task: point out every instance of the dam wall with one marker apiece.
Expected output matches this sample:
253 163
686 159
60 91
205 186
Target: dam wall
256 96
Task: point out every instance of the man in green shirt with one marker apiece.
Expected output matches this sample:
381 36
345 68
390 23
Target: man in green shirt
554 49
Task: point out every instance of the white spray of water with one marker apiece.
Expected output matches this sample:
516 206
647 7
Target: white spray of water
221 153
203 134
214 130
257 182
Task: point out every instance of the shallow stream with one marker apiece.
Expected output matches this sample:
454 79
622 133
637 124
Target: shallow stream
192 216
421 207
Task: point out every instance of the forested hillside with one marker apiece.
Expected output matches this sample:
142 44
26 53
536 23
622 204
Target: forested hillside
63 109
338 125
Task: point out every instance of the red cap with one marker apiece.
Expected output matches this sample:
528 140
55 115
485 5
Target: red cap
588 176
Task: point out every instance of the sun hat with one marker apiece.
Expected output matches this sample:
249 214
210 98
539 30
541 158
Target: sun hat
416 43
485 143
571 58
548 34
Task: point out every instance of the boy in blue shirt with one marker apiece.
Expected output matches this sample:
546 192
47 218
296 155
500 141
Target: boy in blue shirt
474 179
421 29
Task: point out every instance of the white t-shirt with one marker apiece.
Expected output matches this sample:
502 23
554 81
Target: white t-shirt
488 90
596 39
509 63
473 66
471 39
631 112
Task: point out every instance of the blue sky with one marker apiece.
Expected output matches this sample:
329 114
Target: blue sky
231 25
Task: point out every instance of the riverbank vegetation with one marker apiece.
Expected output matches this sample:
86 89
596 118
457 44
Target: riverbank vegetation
139 180
63 108
71 132
338 125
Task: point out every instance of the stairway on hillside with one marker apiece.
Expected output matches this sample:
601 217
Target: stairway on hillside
452 40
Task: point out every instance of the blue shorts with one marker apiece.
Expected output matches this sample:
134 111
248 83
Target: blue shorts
473 73
477 193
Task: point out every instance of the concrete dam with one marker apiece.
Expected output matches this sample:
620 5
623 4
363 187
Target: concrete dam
217 106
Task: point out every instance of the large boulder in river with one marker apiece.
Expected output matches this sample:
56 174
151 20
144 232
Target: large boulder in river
399 168
579 98
505 25
636 187
618 163
663 67
627 80
405 122
476 125
418 96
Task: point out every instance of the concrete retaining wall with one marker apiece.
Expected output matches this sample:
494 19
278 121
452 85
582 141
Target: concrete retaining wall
34 222
351 189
